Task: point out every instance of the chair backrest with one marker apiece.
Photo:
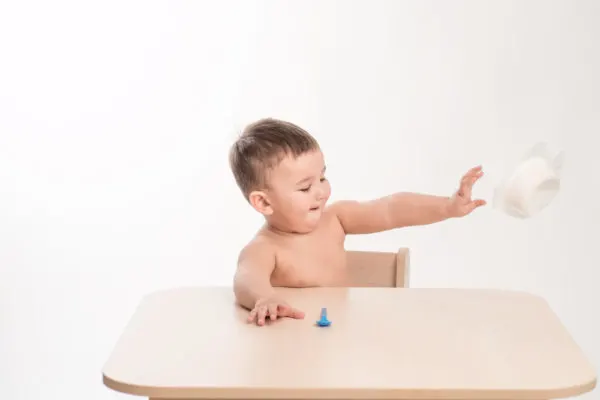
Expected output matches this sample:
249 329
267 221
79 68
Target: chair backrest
378 269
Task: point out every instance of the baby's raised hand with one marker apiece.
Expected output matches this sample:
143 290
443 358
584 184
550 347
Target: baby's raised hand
461 202
272 308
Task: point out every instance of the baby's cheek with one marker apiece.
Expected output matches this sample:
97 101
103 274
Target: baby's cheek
327 190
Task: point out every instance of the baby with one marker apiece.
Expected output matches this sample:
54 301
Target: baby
280 170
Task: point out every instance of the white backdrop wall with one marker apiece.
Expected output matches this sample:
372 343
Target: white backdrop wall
116 118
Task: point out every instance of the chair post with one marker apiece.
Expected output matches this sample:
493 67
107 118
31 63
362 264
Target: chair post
403 268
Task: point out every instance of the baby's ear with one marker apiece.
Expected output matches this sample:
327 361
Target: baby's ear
259 201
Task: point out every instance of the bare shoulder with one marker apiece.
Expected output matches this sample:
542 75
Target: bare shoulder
260 245
257 253
331 217
341 209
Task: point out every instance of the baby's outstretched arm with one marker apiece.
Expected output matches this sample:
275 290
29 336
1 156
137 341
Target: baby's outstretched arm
252 285
407 209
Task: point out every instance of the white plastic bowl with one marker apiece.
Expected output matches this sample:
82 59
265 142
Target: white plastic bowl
532 185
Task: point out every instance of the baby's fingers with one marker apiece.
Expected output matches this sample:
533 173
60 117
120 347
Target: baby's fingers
252 315
290 312
262 314
273 311
467 182
474 172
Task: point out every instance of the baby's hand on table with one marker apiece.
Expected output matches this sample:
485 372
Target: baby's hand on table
272 308
461 203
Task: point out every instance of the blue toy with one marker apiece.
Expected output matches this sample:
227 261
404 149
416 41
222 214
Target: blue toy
323 321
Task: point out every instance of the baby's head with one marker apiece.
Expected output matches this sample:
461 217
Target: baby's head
279 167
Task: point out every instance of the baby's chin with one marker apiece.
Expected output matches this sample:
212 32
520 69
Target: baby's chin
313 217
310 223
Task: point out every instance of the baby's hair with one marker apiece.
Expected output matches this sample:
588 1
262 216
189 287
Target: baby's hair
261 146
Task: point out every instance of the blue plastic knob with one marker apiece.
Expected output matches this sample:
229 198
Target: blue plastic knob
323 321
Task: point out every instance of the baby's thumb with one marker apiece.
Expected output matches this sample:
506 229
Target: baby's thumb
292 312
479 203
475 204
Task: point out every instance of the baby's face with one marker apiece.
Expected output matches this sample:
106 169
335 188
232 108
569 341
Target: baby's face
298 192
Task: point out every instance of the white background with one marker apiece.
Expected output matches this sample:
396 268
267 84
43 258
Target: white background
116 118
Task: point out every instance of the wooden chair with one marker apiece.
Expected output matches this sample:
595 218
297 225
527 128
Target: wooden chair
379 269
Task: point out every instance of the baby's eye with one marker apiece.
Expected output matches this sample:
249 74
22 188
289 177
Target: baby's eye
306 189
323 179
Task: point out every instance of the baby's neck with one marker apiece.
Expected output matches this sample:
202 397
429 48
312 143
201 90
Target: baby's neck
275 230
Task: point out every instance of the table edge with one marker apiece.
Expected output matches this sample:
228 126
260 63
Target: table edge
511 292
351 393
585 386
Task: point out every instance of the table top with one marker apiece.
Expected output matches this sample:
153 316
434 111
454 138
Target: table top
383 343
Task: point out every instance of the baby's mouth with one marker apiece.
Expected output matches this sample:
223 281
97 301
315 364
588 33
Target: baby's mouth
315 208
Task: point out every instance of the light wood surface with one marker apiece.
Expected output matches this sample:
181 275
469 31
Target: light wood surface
378 269
383 343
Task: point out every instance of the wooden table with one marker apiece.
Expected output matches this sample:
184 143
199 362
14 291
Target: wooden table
383 343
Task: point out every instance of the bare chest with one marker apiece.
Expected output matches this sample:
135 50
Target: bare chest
315 260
